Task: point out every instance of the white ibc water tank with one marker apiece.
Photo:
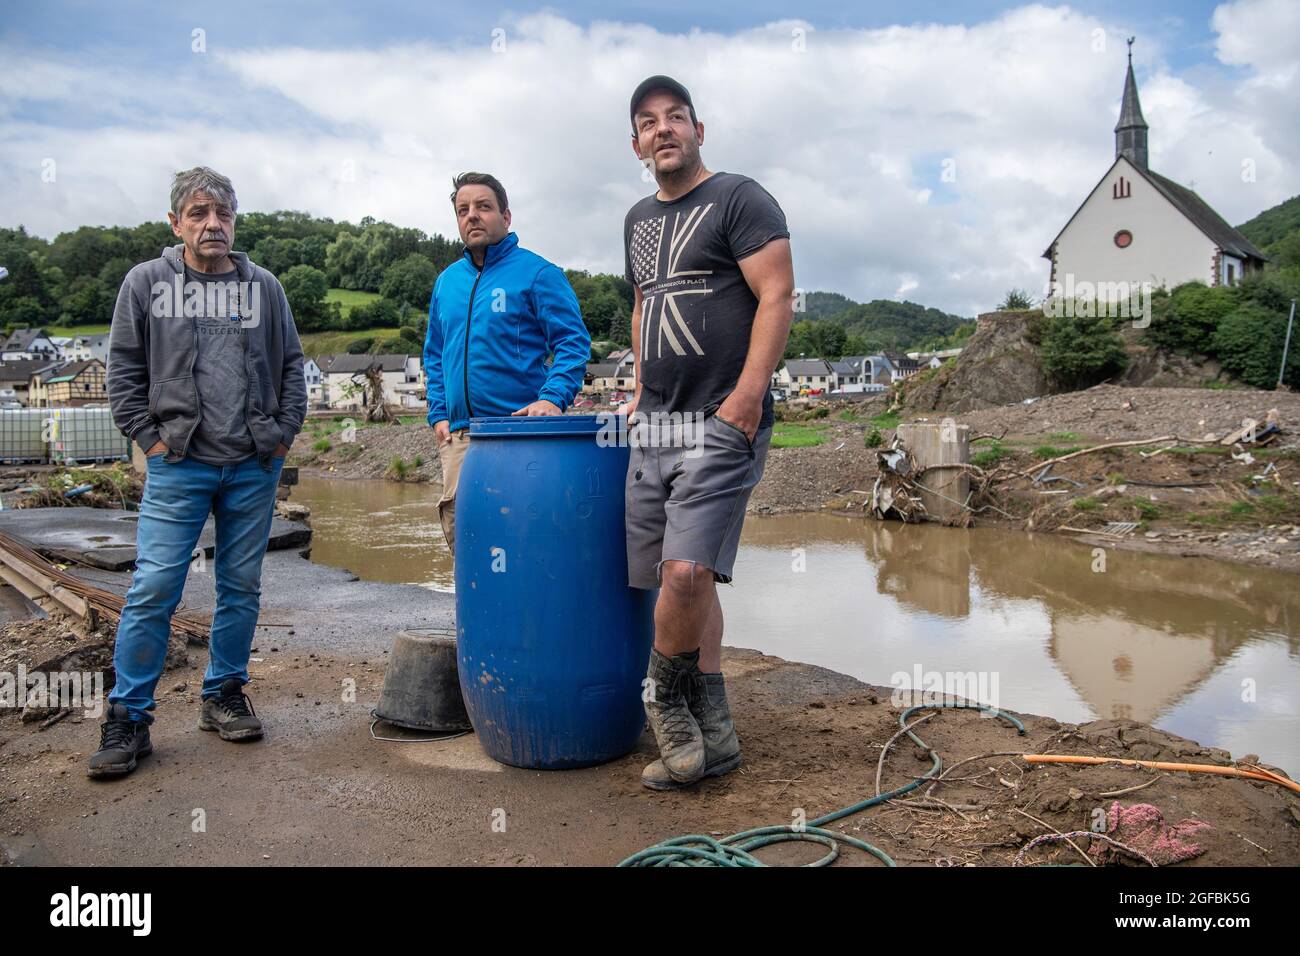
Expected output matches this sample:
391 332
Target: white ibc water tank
23 435
85 434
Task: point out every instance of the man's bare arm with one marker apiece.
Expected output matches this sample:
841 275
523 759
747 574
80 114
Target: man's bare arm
770 276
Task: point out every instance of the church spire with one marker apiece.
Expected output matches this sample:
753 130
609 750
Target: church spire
1131 130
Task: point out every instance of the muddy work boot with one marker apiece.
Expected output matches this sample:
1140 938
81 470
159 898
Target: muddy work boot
681 744
122 741
707 698
231 714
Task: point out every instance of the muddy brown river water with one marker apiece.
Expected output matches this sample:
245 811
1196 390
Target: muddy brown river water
1034 623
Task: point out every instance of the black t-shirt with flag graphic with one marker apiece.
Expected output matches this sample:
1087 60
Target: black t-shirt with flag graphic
697 311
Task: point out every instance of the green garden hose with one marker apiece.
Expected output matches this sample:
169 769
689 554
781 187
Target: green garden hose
737 849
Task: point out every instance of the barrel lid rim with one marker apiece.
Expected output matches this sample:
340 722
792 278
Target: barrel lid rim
511 426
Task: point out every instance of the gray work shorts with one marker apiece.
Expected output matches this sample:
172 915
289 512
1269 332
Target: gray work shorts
688 503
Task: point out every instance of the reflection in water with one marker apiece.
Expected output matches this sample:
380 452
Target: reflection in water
1204 649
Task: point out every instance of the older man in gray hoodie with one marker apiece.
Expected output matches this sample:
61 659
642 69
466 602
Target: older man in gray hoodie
205 374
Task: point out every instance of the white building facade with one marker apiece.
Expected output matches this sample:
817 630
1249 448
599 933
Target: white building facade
1138 228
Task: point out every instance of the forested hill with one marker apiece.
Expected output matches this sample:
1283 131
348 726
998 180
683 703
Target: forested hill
1277 232
835 325
73 280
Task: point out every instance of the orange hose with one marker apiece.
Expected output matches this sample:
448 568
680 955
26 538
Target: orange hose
1259 773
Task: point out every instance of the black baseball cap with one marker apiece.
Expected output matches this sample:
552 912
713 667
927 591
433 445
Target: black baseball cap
653 84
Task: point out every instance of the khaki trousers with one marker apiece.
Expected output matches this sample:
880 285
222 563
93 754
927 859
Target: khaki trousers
452 456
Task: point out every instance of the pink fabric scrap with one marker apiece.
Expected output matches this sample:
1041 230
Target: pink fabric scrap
1143 827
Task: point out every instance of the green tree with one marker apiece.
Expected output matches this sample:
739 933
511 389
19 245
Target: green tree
277 256
345 262
85 251
23 313
1249 344
1016 300
378 314
313 251
409 282
88 301
1079 352
1185 320
114 272
306 288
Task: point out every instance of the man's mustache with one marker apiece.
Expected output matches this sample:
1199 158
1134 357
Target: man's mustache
218 236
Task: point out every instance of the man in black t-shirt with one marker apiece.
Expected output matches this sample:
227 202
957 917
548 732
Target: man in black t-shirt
709 258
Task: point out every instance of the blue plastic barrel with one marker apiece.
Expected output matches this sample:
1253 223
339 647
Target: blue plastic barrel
553 644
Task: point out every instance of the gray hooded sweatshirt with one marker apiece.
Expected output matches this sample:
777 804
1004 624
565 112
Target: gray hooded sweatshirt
153 345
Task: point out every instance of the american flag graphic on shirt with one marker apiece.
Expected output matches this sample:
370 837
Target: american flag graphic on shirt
656 249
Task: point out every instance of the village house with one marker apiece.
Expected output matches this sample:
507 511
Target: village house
609 377
73 348
622 358
1136 226
311 373
98 345
810 374
68 385
30 345
343 380
889 367
852 373
17 375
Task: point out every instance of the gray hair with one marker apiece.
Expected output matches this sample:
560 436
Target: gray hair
190 181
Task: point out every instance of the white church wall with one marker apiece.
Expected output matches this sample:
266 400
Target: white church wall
1230 270
1166 248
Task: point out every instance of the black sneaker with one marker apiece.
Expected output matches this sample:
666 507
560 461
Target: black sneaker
231 713
122 741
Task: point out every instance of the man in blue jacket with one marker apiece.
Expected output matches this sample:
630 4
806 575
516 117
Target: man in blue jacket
506 336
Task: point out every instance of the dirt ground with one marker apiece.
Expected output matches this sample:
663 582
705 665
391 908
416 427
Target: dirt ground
318 790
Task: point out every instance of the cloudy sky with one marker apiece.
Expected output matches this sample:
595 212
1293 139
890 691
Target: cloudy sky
921 151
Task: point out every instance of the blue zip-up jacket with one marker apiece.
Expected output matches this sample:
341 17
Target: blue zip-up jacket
490 332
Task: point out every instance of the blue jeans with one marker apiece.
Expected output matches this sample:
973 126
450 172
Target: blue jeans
178 496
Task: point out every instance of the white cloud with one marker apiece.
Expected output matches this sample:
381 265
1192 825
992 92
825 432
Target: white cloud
849 135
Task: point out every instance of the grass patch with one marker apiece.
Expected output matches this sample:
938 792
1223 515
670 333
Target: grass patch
795 435
1269 508
399 469
1062 437
336 343
71 331
349 299
991 455
323 445
887 420
1086 504
1147 510
848 415
874 439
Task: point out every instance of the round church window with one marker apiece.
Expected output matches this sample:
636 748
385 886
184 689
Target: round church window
1123 238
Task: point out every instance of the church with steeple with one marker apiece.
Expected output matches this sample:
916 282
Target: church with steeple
1137 226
